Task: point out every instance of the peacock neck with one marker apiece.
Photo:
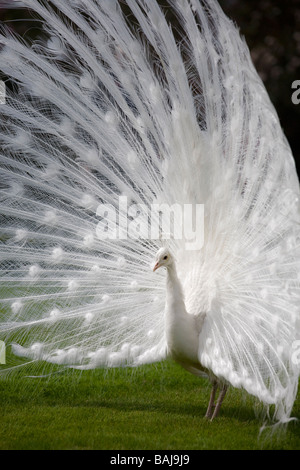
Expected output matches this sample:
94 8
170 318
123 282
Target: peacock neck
174 288
182 340
175 298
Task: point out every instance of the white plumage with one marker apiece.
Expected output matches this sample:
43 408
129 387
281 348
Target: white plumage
115 107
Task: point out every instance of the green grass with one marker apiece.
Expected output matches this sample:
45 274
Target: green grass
159 407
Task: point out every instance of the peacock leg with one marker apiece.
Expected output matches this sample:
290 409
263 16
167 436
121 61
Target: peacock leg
211 400
219 402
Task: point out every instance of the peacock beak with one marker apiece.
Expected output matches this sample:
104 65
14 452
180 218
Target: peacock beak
156 266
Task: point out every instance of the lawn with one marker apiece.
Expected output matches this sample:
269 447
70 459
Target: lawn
158 407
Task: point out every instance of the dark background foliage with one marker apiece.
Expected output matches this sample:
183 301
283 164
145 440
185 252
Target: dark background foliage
272 32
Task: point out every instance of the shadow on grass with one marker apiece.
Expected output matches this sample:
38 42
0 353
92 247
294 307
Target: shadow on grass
229 412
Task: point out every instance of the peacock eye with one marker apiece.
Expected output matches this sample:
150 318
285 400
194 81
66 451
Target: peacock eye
165 257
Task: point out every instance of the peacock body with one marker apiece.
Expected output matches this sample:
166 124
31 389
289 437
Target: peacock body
112 118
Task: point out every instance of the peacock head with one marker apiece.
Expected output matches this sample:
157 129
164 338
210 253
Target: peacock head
163 259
